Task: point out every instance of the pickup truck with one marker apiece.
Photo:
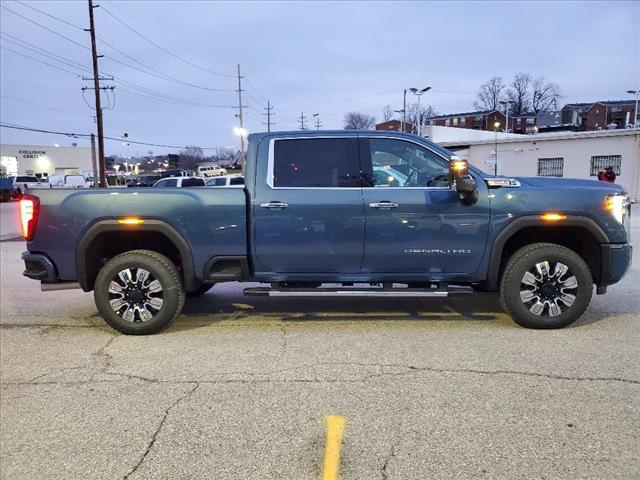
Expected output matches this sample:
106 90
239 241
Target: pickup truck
335 213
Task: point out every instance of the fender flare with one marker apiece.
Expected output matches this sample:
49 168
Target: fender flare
159 226
535 221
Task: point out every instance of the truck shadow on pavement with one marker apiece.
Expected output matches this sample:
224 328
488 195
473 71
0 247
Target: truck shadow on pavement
225 304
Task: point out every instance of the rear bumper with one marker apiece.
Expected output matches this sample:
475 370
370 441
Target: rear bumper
616 260
39 267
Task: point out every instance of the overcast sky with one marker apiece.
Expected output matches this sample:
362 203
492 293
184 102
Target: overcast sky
323 57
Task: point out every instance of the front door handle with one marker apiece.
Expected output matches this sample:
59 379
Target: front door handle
384 204
274 205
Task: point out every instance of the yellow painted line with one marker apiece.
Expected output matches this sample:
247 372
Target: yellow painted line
335 427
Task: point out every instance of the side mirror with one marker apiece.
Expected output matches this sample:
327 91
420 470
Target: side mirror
461 181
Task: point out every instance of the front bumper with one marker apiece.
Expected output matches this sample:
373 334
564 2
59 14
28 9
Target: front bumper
39 267
616 260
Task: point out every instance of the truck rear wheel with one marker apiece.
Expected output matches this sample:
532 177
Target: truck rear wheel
546 286
139 292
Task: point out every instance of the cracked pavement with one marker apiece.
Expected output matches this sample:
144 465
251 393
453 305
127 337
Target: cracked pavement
238 388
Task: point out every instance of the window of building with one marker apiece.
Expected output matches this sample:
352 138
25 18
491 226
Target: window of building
463 121
316 162
530 120
601 162
455 122
447 122
550 167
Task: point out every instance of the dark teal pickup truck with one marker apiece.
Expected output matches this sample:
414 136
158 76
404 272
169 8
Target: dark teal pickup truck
376 213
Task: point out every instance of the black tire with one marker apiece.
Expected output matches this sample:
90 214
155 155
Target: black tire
521 296
158 267
201 290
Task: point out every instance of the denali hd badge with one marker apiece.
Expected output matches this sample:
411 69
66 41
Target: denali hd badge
438 251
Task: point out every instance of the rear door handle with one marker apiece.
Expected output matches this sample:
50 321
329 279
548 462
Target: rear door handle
384 205
274 205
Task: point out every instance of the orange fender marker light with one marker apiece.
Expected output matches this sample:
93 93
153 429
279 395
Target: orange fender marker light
130 221
552 217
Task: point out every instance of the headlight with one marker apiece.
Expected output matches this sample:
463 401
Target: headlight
618 206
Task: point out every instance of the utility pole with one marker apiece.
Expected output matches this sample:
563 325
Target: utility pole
269 113
94 163
316 117
303 126
404 111
241 131
96 87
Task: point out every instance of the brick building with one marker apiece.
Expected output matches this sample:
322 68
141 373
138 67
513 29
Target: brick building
482 120
599 115
396 126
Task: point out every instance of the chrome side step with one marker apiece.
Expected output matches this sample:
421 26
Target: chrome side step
357 292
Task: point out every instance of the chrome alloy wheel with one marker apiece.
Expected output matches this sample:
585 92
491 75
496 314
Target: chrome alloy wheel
135 295
548 294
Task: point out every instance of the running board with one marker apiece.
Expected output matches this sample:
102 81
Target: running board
357 292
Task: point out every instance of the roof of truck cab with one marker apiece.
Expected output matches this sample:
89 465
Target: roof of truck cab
350 133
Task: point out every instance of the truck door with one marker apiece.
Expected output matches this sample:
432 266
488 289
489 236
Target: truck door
415 223
307 209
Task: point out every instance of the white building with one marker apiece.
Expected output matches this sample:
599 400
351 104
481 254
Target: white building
557 154
44 161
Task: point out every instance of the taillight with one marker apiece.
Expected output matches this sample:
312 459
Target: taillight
29 216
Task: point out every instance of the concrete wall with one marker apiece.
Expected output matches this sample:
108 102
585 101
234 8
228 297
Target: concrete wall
44 159
520 157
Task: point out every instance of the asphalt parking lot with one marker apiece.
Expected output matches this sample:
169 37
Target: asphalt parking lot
239 387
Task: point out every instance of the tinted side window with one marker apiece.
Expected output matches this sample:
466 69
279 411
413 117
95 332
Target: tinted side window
397 163
193 182
316 162
237 181
173 182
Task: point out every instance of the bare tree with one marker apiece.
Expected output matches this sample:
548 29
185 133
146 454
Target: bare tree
387 113
426 111
490 94
190 157
519 94
359 121
544 95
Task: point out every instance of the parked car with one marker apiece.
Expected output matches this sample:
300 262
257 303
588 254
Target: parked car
68 181
143 181
176 172
210 170
311 214
21 183
7 190
226 181
179 182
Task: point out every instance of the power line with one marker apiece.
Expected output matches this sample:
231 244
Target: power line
44 106
51 56
161 96
49 15
104 9
40 61
88 135
157 73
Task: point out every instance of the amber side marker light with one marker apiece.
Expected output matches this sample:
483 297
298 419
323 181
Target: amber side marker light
552 217
459 165
130 221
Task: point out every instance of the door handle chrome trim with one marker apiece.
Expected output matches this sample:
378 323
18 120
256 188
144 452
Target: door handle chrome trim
274 205
384 205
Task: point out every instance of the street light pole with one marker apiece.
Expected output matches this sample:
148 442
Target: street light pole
419 93
496 126
404 111
506 104
635 113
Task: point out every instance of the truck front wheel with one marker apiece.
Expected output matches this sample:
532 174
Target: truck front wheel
139 292
546 286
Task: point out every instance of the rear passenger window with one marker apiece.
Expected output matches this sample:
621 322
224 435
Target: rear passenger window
237 181
193 182
316 162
